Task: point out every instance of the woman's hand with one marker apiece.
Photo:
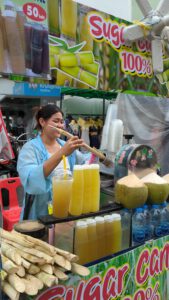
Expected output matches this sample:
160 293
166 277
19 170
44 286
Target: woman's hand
72 144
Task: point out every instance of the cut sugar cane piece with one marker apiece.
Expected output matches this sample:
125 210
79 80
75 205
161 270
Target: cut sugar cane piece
92 68
60 274
70 256
3 275
33 269
12 236
21 271
47 279
30 289
31 258
80 270
38 283
47 268
74 59
17 283
8 265
10 291
62 262
81 75
11 253
26 264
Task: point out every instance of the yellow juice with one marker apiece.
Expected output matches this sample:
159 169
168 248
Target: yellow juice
92 239
109 236
68 18
117 233
76 203
100 232
62 189
81 242
95 192
87 189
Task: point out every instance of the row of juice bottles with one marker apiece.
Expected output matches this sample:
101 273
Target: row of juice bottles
77 194
85 196
97 237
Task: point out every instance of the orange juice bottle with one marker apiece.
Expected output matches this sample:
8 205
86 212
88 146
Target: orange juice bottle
117 233
81 242
92 238
100 232
76 203
95 193
87 189
109 237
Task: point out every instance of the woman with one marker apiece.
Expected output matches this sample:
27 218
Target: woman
40 156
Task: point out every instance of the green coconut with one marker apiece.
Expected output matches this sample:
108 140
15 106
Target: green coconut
131 192
166 178
158 188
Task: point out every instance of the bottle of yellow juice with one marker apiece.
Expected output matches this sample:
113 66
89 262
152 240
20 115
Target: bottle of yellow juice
95 191
87 189
76 203
109 234
100 231
81 242
92 238
117 233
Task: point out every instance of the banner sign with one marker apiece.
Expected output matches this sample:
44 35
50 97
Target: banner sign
35 90
87 50
24 47
141 274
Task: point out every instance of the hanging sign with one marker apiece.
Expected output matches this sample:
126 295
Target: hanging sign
24 47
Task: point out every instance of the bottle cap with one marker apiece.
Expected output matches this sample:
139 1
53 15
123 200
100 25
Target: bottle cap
99 219
95 166
91 222
116 216
155 206
9 3
139 209
81 224
78 167
108 218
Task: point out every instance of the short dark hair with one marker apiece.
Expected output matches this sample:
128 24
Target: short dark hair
46 112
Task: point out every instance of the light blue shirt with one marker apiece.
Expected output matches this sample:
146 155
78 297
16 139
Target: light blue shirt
30 168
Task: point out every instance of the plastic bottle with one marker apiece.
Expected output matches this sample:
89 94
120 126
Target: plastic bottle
117 233
148 225
87 189
164 218
126 224
36 49
21 21
156 221
81 242
108 221
100 231
138 227
92 238
95 187
76 203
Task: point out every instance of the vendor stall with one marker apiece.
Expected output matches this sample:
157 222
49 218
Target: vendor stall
106 233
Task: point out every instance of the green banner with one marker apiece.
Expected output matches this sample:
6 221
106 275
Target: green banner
87 50
24 47
141 274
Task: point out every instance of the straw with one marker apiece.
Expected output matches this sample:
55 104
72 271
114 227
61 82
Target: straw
64 167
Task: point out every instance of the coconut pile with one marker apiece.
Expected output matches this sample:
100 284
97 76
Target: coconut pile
132 192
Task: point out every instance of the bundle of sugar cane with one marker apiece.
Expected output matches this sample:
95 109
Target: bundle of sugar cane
30 265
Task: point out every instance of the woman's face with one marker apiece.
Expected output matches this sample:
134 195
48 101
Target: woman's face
55 120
